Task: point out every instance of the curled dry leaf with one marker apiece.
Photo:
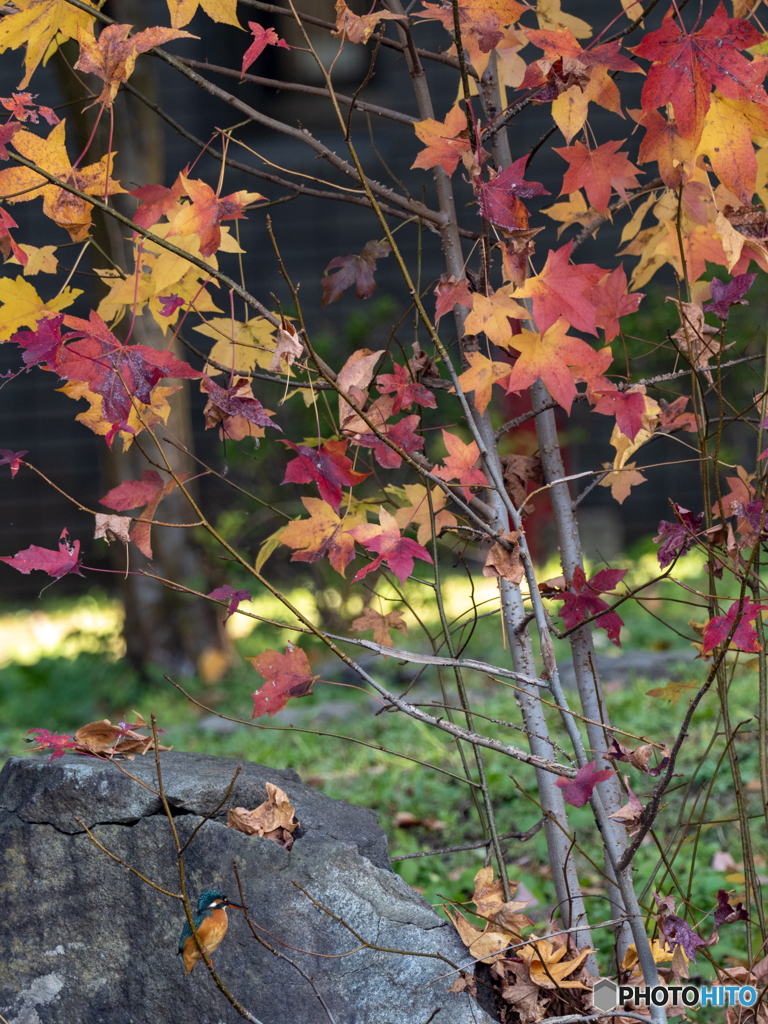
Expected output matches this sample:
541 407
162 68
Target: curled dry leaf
631 812
504 920
104 738
273 819
288 348
503 563
111 528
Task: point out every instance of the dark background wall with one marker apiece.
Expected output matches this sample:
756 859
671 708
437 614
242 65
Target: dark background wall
310 233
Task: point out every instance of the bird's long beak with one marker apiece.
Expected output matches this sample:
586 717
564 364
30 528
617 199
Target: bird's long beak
237 906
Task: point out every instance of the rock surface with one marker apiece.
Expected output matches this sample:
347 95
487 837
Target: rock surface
87 942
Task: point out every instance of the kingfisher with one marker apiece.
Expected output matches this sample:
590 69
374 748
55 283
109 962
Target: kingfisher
211 924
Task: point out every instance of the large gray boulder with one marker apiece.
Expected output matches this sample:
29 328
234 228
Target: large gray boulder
84 941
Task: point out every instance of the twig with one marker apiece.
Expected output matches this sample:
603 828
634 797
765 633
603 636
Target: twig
208 817
521 836
92 837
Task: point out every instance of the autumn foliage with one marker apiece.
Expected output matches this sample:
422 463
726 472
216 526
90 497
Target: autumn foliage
410 470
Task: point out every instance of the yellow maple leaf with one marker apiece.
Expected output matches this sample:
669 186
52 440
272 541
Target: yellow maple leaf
68 211
156 412
550 16
480 378
39 260
35 25
23 307
622 481
490 314
183 11
253 344
727 140
417 511
546 964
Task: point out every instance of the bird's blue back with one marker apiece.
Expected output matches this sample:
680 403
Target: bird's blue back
203 910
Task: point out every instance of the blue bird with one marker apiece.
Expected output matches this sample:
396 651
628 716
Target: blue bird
211 924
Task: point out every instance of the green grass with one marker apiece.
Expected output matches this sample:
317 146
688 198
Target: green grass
62 692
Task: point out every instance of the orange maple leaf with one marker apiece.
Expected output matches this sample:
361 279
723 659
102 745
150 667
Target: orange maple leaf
460 464
35 24
549 357
444 147
206 211
381 625
113 56
324 532
480 378
561 290
663 143
597 171
358 28
490 314
68 211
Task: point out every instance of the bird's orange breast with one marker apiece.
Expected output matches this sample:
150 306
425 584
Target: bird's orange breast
211 931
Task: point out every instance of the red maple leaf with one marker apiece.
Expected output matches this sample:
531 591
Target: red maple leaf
7 131
686 66
357 270
147 492
7 244
262 37
46 740
288 675
745 636
328 466
597 171
627 406
549 356
727 295
22 107
611 301
205 213
582 601
673 417
226 403
677 539
12 458
157 200
400 433
561 42
115 371
406 389
500 198
397 551
577 792
233 596
562 290
42 345
460 464
55 563
449 293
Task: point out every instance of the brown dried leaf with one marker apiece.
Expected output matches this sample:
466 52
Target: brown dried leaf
464 983
288 348
506 564
273 819
518 470
404 819
524 996
381 625
697 339
111 527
